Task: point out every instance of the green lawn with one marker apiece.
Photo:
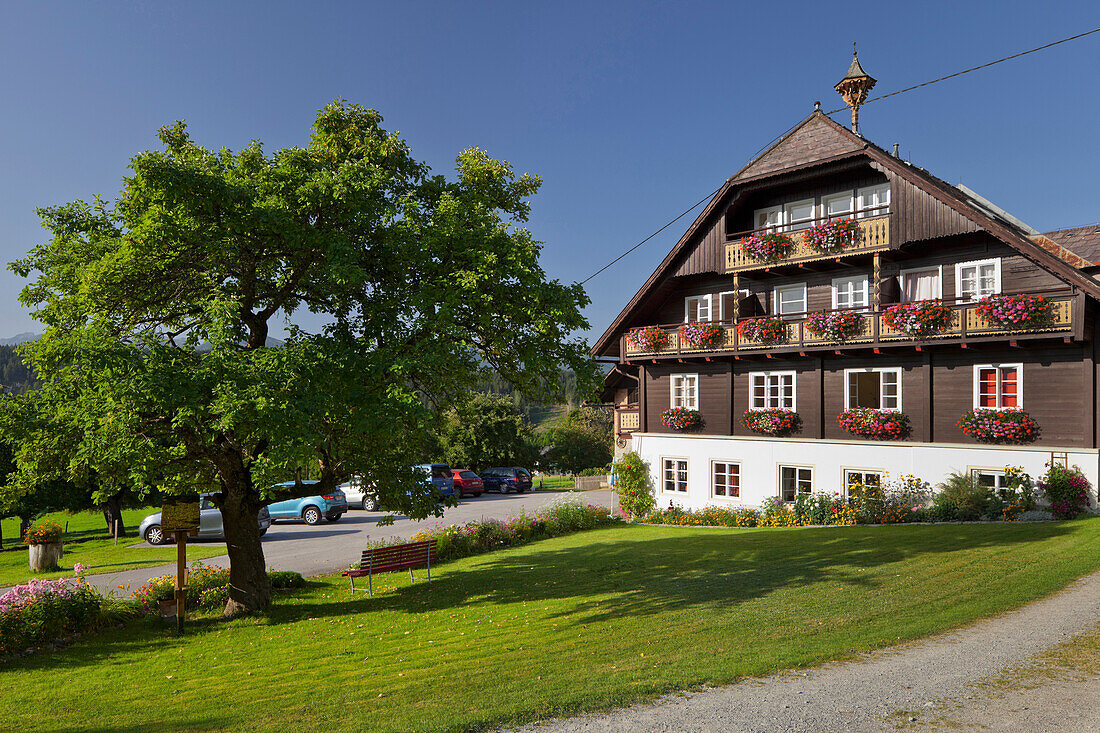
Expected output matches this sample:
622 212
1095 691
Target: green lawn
583 622
87 542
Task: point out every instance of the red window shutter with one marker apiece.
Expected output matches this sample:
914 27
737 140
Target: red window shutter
1009 388
987 388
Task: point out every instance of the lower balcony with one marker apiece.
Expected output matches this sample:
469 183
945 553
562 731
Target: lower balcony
965 325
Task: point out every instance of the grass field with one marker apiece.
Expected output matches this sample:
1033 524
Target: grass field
583 622
87 542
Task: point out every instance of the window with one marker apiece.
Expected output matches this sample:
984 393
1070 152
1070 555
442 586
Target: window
697 308
875 388
798 215
728 304
975 280
993 478
873 200
997 386
790 299
726 479
676 475
863 483
771 389
795 480
921 284
768 219
838 206
851 292
685 391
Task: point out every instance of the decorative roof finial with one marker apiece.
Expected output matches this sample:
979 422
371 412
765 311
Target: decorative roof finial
854 87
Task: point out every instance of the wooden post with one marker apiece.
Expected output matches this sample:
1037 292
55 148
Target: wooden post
876 286
181 577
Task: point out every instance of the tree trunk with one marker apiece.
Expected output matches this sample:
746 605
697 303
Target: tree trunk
249 589
24 523
112 513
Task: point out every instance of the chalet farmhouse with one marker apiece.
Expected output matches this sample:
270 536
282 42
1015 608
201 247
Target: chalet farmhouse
836 313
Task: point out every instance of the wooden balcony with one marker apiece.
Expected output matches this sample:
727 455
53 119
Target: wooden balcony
966 327
873 236
628 419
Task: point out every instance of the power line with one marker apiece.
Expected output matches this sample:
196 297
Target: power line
841 109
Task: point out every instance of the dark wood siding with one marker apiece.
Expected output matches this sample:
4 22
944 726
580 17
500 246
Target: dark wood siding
919 216
708 254
813 140
714 394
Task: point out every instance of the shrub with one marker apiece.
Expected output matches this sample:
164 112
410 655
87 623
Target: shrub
681 418
969 500
283 579
831 236
766 330
43 533
872 423
648 338
207 587
1067 489
633 485
837 326
702 333
1017 311
775 513
920 319
43 610
772 421
1010 425
768 247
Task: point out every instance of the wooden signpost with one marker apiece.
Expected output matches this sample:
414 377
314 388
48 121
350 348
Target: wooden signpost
179 516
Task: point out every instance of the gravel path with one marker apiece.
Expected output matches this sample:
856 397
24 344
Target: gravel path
883 690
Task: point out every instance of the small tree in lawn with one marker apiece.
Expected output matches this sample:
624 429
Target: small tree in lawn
158 308
581 440
633 485
486 430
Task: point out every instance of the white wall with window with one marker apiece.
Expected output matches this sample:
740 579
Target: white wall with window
698 308
795 480
674 475
771 389
725 480
684 391
997 386
975 280
790 299
923 283
879 389
993 478
851 292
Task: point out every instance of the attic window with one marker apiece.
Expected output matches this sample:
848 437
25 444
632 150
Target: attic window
798 215
697 308
873 200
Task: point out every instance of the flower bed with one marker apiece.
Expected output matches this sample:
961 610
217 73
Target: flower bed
766 330
702 333
768 247
1009 425
831 236
838 326
1015 311
207 587
648 338
872 423
681 418
921 318
44 610
772 421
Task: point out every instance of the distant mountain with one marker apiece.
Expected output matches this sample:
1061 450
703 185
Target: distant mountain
19 338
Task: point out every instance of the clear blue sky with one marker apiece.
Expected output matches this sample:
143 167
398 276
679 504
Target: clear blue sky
629 111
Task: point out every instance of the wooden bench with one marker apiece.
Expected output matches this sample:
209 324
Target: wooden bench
395 557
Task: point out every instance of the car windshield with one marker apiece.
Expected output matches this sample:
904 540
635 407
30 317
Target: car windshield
468 474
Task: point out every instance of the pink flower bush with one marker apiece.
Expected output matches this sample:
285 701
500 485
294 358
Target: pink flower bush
766 330
768 247
772 421
838 326
831 236
648 338
43 610
921 318
1015 310
1067 489
681 418
702 333
874 423
1009 425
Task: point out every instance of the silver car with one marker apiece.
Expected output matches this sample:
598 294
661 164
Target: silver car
360 494
210 523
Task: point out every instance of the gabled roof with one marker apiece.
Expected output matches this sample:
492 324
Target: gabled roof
818 140
1084 242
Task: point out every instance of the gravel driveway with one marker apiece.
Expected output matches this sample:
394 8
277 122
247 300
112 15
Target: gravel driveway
901 687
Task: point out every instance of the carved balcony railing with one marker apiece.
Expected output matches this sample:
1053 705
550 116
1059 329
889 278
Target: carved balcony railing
965 325
873 236
628 419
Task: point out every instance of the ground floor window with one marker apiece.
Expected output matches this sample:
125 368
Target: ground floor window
992 478
860 482
676 474
726 480
795 480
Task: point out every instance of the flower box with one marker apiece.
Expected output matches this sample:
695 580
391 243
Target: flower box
837 326
767 330
772 421
702 333
648 338
920 319
681 418
831 237
1009 425
1015 311
874 423
769 247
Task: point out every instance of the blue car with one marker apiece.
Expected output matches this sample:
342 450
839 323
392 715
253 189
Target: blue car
439 474
310 509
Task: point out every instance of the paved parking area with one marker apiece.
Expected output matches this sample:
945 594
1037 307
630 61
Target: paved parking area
328 546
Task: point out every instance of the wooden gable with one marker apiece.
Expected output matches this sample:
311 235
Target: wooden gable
816 138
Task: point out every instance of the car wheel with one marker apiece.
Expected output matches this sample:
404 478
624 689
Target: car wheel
311 515
334 517
477 494
154 535
263 532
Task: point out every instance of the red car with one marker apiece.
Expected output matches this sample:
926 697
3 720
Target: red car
468 482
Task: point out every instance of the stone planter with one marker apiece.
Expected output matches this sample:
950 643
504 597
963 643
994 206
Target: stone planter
45 558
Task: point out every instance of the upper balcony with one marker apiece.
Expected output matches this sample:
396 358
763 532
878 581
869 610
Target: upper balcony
872 235
966 326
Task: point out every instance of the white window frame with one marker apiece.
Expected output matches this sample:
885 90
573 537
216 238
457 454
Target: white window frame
998 475
896 371
782 288
789 224
995 261
690 398
770 388
708 299
778 226
881 208
826 200
726 496
939 278
866 281
741 294
1019 367
675 461
863 471
798 467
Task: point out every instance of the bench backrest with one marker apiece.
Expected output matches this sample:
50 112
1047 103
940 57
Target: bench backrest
398 557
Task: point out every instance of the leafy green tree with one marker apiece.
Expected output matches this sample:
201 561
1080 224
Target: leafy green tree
581 440
158 308
486 430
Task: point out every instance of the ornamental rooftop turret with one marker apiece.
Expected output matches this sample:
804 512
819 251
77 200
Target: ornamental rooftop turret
854 88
